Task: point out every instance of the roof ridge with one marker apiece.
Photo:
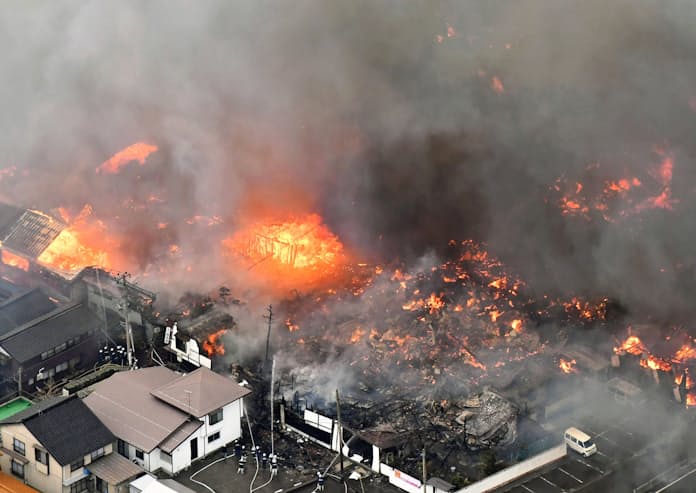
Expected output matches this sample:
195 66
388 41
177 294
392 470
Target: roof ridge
60 310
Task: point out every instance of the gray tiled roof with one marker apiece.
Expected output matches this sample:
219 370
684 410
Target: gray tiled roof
69 430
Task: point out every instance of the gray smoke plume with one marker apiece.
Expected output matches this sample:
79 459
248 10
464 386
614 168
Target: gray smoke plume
404 124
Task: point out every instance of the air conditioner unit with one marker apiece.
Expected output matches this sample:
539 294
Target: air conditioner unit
137 461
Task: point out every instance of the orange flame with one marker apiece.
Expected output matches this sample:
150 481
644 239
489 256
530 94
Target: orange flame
567 366
136 152
655 363
83 243
497 85
299 249
13 260
213 344
632 345
690 399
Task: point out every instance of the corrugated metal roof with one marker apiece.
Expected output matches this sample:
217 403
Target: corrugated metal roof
201 392
114 469
126 406
32 233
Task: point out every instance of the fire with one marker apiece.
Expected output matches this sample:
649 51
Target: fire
567 366
136 152
632 345
213 344
684 353
655 363
357 335
690 400
620 197
13 260
299 249
497 85
83 243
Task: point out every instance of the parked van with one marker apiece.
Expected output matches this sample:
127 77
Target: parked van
580 442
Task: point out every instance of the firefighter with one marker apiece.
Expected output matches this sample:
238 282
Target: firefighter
320 481
237 449
264 460
242 463
274 465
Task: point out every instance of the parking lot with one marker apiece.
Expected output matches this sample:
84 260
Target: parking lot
621 436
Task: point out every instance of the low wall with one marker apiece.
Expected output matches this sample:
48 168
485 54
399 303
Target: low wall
515 471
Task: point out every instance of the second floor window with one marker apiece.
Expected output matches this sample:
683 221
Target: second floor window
77 464
215 417
41 456
97 453
18 446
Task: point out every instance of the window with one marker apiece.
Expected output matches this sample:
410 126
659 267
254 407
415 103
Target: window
97 453
41 456
215 417
18 446
74 362
61 347
139 454
77 464
214 437
62 367
17 469
122 448
80 486
102 486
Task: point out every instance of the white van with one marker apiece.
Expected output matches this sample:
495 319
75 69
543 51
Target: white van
580 442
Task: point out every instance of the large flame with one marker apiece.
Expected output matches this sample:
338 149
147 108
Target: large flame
213 344
9 258
83 243
299 249
137 152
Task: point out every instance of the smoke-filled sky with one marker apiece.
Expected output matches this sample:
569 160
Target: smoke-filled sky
372 114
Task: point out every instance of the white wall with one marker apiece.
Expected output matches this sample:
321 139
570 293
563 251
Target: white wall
516 471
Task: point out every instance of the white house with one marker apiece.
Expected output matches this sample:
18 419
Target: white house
165 420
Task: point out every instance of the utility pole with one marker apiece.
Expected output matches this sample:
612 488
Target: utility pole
425 472
272 405
268 317
340 431
122 279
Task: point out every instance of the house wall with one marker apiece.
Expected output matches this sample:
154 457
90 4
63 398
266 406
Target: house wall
34 472
230 429
86 350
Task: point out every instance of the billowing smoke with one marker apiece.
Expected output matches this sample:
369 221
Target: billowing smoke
404 124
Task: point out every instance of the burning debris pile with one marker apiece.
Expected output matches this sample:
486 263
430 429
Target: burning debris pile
458 324
673 354
617 198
